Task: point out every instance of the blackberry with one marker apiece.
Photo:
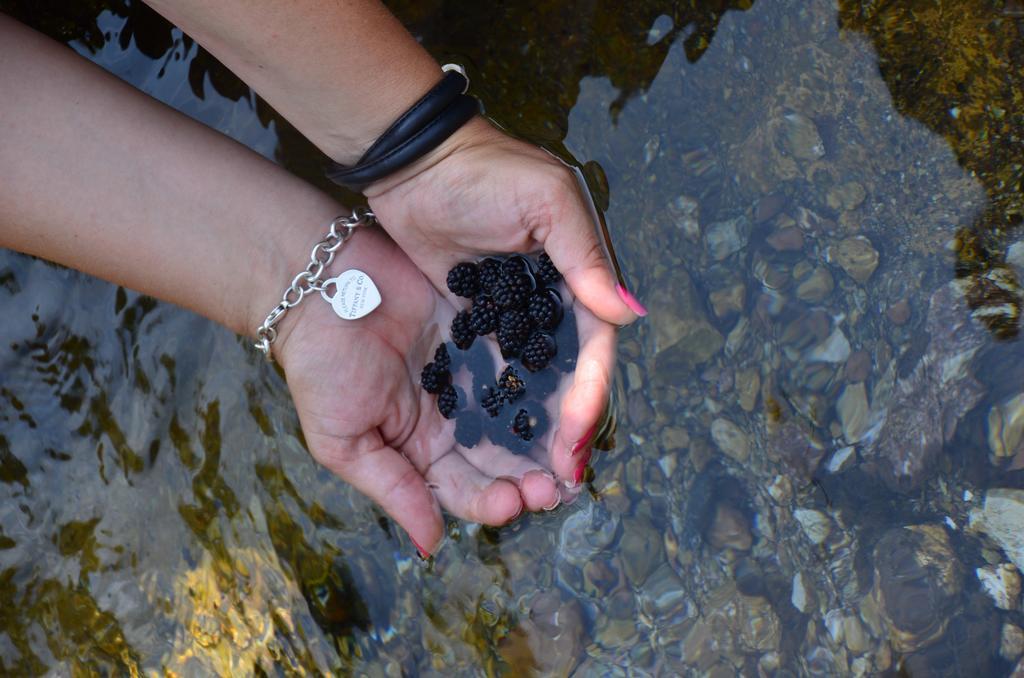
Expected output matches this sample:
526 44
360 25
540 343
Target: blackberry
464 279
513 289
545 309
490 275
447 401
434 379
483 319
538 351
442 360
511 385
516 263
462 334
513 330
546 271
521 425
491 402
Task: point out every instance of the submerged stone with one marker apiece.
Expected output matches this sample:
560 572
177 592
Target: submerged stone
1015 256
789 239
818 285
856 256
683 337
1001 583
1011 642
858 366
641 548
685 213
917 582
728 300
729 529
853 412
834 349
800 137
769 206
799 596
899 313
727 237
1006 427
1001 517
795 446
841 459
846 196
732 441
748 383
918 413
816 525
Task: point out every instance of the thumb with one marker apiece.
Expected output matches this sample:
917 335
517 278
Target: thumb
575 249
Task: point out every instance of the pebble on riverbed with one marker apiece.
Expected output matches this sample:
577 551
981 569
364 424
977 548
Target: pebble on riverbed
928 400
856 256
917 582
1006 428
1002 584
1001 517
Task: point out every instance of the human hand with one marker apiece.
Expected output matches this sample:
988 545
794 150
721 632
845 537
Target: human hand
356 389
483 192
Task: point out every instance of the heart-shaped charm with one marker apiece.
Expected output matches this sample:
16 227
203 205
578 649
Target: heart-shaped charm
356 294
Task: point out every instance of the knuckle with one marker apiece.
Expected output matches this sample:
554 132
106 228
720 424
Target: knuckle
410 481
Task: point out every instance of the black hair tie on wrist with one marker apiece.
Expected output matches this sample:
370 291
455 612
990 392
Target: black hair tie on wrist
421 129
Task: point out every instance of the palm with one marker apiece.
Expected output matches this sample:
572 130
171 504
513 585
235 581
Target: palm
491 193
459 211
355 386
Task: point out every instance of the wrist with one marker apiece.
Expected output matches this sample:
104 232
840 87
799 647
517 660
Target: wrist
426 124
347 138
285 253
475 132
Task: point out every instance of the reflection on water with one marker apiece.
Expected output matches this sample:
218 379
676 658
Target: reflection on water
955 70
820 443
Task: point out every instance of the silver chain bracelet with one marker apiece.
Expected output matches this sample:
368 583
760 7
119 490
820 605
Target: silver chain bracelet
310 280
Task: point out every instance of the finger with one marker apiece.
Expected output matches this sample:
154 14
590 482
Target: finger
586 399
539 490
497 462
471 495
537 485
387 477
574 248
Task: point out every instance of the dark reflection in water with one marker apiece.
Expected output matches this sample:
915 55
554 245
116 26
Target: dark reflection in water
565 42
810 422
956 67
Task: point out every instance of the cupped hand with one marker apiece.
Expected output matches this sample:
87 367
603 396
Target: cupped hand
355 384
483 192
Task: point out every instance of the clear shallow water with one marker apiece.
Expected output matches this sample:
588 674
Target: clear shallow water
815 201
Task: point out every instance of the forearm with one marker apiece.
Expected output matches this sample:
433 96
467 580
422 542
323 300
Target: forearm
339 70
99 177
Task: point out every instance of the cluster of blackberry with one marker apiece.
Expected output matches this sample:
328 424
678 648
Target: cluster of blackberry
515 299
509 388
436 378
521 425
512 299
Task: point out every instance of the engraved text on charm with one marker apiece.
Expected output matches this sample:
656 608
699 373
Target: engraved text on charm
355 294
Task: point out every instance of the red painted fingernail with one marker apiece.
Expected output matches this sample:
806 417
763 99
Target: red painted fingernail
631 301
423 553
584 441
581 468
